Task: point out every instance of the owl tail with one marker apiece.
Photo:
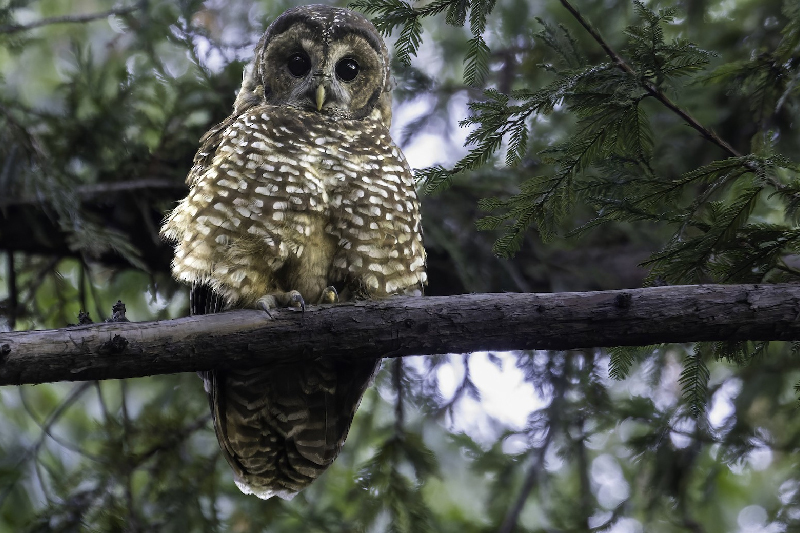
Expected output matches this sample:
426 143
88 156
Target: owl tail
280 427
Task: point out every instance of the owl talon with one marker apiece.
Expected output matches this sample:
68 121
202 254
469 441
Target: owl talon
265 303
329 296
296 301
292 300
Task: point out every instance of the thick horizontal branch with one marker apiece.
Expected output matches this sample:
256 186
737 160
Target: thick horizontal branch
404 326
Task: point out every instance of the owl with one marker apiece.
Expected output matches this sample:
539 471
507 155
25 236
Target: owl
299 196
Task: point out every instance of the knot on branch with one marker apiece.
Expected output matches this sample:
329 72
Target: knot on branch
116 345
623 301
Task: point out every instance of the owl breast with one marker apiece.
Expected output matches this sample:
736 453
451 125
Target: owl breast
290 191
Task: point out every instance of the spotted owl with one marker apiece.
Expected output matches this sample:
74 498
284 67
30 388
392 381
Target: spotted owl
299 196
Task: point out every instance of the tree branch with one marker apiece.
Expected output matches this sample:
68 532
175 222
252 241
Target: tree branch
87 192
651 88
403 326
68 19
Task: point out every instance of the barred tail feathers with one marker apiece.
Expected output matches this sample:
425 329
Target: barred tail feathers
281 427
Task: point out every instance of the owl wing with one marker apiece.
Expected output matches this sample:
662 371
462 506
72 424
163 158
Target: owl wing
241 220
378 223
249 96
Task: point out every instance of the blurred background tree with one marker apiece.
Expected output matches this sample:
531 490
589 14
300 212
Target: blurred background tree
101 109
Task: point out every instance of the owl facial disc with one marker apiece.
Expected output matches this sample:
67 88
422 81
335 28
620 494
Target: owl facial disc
326 60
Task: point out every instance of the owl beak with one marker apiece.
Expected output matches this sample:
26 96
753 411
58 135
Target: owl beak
320 96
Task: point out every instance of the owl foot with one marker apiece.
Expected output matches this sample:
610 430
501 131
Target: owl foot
291 299
329 296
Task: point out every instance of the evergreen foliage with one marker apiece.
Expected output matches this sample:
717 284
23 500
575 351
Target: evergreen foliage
598 137
610 161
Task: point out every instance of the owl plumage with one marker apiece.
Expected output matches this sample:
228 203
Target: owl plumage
300 189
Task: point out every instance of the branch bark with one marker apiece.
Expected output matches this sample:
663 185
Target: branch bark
404 326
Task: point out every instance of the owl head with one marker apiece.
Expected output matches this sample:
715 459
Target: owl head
321 59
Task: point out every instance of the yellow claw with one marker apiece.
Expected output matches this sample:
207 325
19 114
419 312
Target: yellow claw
320 97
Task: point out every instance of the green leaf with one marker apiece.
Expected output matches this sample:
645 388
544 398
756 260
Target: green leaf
476 61
694 380
622 358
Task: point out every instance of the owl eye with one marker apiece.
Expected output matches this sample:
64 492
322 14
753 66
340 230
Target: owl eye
298 64
347 69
